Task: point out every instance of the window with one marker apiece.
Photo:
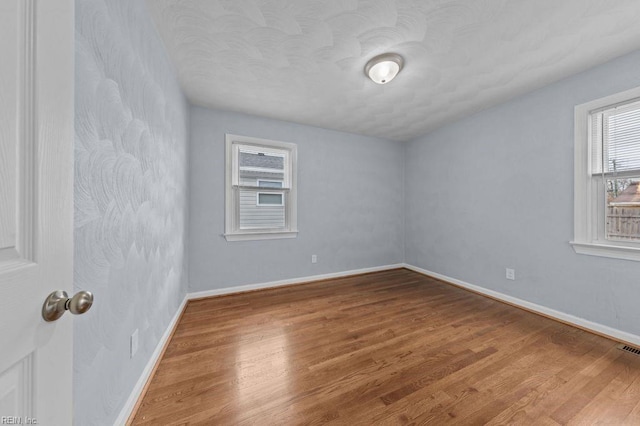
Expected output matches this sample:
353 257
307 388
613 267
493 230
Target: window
607 177
269 199
260 189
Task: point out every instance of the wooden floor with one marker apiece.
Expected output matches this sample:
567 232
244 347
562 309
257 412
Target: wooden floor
392 347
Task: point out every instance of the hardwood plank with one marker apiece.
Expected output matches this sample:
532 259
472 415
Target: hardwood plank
392 347
615 402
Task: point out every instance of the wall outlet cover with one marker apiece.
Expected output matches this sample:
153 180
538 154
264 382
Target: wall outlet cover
511 274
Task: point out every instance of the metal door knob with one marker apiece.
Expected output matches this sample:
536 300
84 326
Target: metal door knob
58 302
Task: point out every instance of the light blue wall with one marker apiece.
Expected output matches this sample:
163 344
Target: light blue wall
130 200
350 201
495 190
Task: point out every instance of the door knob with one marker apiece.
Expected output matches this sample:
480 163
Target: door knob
58 302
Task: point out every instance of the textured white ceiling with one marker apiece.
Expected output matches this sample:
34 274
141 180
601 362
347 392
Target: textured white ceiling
303 60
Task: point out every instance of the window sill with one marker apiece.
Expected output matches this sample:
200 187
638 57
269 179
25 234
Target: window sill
607 250
260 235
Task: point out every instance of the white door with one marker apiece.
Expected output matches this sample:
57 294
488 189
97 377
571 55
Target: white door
36 208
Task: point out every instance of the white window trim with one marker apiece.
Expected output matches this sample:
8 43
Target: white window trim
232 231
257 169
585 239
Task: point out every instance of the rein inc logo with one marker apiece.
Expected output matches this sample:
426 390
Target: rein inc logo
18 420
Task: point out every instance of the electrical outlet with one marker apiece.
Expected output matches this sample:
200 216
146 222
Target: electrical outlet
314 258
511 274
134 343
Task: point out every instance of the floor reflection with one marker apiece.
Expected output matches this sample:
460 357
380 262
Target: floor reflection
262 367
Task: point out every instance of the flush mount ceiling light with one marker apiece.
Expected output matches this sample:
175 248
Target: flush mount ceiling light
384 68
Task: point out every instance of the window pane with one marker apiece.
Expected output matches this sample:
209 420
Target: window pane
269 199
261 210
621 144
623 209
255 165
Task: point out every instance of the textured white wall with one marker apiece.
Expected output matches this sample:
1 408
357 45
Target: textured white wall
350 200
495 190
130 200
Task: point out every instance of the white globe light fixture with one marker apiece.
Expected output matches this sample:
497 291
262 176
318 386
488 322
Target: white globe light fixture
384 68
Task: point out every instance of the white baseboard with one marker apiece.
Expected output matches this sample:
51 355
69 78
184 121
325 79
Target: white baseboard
142 380
271 284
595 327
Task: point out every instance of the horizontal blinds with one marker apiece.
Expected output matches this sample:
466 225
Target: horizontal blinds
616 140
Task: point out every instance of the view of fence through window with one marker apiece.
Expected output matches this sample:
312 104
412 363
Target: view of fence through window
623 209
621 158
